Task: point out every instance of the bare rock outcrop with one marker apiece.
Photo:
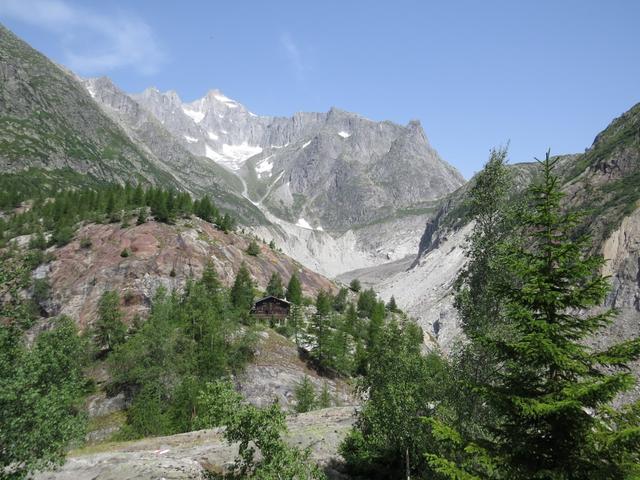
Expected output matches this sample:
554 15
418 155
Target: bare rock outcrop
191 455
158 255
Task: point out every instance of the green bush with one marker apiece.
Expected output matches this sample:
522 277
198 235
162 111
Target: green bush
253 249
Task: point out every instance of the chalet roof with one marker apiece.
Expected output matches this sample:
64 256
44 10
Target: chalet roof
271 297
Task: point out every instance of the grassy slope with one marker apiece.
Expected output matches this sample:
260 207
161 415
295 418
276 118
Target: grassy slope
53 134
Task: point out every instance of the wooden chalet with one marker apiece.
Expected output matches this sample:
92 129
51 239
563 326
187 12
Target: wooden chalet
271 308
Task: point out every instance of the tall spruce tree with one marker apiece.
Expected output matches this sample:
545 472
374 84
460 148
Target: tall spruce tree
551 391
294 290
242 289
305 395
275 287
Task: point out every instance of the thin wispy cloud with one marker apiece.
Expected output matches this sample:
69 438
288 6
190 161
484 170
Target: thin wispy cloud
92 42
292 52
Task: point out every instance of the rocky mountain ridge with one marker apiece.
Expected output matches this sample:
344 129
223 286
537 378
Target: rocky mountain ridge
323 171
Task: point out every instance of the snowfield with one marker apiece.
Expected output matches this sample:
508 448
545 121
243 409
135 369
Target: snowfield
194 114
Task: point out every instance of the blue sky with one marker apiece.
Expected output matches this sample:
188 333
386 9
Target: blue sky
540 74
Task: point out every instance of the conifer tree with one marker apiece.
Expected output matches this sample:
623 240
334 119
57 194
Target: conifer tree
295 323
392 306
253 249
242 289
555 388
366 301
305 395
340 300
551 391
142 216
294 290
323 303
376 323
227 223
210 279
275 286
318 332
109 327
324 400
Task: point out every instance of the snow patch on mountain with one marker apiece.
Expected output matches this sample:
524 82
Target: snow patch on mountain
190 139
302 223
344 134
306 144
236 155
226 100
265 166
212 154
194 114
212 136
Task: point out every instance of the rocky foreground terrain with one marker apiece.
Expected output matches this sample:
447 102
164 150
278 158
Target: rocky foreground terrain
191 455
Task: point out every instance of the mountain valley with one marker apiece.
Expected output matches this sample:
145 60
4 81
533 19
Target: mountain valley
153 226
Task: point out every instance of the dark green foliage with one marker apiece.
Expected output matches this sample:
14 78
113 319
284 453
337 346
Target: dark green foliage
272 245
60 211
187 341
305 395
330 337
255 430
41 290
549 395
275 287
110 331
85 242
38 241
355 285
62 235
392 306
367 300
402 386
227 223
557 385
210 279
324 399
242 290
41 395
294 290
323 303
253 249
142 216
204 209
376 322
125 253
340 300
295 323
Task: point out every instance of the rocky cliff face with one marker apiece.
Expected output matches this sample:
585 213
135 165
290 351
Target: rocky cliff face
161 256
